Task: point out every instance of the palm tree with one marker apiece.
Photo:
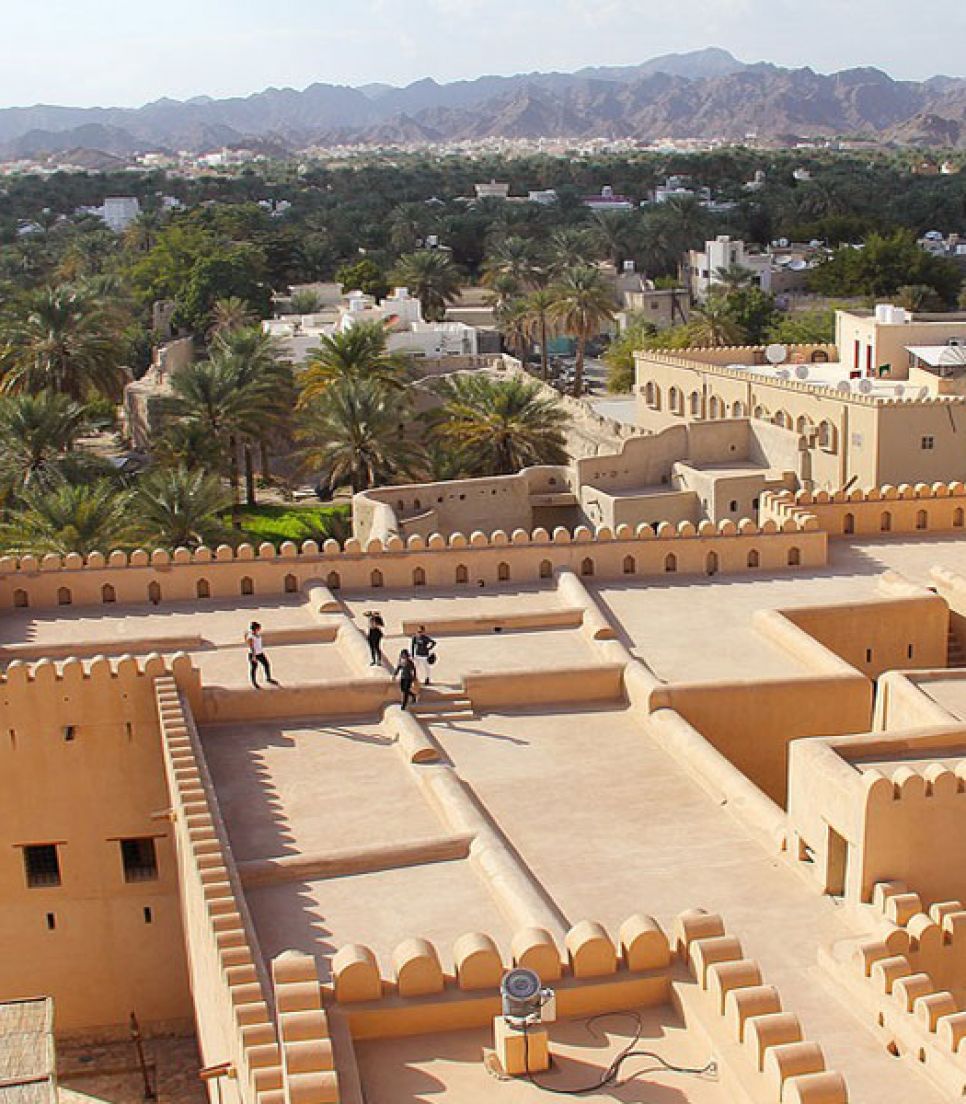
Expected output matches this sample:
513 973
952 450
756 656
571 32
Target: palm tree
219 398
432 277
515 257
228 315
353 434
498 426
711 324
582 304
361 352
573 245
36 431
513 322
178 507
539 324
733 277
504 288
68 517
257 358
63 339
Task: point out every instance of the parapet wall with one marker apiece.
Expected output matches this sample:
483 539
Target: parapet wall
232 994
477 560
912 981
923 508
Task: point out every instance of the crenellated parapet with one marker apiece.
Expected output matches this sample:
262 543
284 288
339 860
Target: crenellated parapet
590 973
768 1053
472 559
233 996
906 508
913 976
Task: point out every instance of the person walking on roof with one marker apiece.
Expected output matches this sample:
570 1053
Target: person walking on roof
406 673
374 635
256 655
424 654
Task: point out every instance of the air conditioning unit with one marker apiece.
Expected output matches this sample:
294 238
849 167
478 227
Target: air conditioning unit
955 342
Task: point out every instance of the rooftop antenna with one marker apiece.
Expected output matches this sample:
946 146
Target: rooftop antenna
776 354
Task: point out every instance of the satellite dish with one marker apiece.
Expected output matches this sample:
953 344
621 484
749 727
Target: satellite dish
844 387
923 393
865 386
783 373
798 265
776 354
899 391
801 371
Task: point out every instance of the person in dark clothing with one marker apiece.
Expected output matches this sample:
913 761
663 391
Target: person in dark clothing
256 655
406 673
375 633
424 654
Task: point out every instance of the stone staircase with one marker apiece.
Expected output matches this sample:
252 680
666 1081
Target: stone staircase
438 704
955 655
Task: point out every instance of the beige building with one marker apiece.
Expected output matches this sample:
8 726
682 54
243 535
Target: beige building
704 777
855 429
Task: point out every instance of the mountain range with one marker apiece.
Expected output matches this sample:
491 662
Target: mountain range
706 94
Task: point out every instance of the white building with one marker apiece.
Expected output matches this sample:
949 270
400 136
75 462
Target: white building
119 212
409 334
609 200
494 190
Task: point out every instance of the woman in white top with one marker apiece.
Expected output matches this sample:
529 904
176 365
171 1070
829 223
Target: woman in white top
256 655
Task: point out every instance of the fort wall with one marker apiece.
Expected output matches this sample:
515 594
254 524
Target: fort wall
80 756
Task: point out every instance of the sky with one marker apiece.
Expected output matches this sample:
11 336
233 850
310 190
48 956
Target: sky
108 53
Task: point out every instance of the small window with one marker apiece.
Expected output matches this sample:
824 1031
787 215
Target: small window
670 562
630 565
333 582
70 731
375 578
63 596
922 519
794 557
711 563
154 593
909 652
927 443
247 585
587 566
108 594
419 577
753 558
733 506
848 523
51 922
958 517
546 569
885 522
868 655
291 584
148 915
139 859
41 865
203 588
462 573
20 599
503 572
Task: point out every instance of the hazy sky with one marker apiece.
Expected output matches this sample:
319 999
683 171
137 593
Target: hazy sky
106 52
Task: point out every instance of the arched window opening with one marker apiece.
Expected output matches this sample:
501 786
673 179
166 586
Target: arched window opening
462 574
922 519
630 565
375 578
670 562
419 576
20 598
587 566
154 593
108 593
958 517
546 569
291 584
247 585
794 557
754 560
333 581
711 563
203 588
885 522
503 572
63 596
848 523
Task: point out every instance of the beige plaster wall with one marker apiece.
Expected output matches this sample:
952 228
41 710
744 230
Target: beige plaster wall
524 557
102 960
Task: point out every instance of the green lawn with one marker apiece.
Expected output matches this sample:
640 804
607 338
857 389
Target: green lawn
294 523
